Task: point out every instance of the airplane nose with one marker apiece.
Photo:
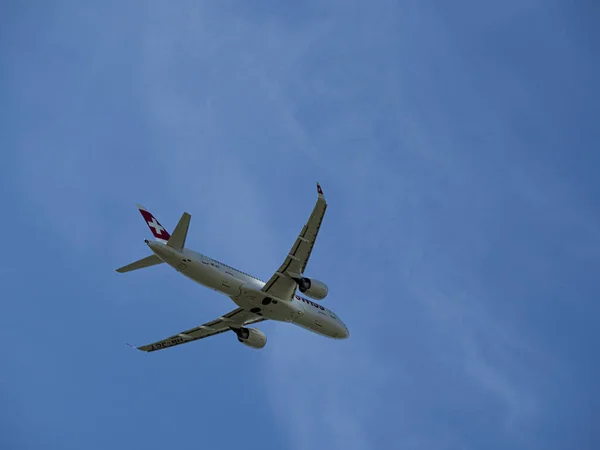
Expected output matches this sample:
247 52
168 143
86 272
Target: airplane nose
344 333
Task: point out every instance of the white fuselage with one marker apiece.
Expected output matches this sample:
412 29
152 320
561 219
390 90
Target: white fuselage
245 291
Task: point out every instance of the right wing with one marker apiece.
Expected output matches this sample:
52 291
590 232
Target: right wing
282 284
236 318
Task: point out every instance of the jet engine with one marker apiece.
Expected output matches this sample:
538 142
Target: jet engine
251 337
315 289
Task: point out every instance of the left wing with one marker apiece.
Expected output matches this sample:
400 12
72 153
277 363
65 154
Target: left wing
236 318
282 284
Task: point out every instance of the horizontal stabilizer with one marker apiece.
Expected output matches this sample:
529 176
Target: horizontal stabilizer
177 239
148 261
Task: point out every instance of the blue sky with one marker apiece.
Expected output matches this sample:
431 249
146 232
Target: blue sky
457 146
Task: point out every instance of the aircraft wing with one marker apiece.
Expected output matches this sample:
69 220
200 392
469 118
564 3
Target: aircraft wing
236 318
282 284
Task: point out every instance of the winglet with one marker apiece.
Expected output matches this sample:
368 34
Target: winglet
319 190
137 348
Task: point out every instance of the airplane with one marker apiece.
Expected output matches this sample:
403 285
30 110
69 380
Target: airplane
257 301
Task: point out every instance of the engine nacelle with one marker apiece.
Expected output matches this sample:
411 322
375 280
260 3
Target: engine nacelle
251 337
314 289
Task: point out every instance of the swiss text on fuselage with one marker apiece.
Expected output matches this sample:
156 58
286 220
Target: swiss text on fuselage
310 303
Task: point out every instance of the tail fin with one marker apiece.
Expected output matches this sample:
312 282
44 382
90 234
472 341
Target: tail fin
148 261
159 232
177 239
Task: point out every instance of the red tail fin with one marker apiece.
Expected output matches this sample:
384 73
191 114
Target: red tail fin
157 229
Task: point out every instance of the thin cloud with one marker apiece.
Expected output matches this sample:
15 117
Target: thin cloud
428 245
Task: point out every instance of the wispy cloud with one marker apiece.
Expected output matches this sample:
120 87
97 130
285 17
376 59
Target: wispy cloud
443 245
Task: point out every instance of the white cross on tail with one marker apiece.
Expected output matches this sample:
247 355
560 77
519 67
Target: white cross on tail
157 227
